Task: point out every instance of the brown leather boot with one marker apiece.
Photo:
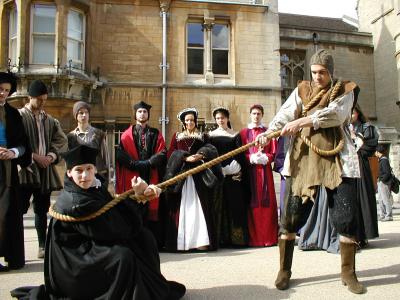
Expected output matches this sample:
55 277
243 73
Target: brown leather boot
285 256
348 274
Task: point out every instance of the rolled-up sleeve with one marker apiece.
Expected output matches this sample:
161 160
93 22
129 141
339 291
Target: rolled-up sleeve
288 112
335 113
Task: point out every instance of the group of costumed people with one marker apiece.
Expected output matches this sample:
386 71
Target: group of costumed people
198 213
115 255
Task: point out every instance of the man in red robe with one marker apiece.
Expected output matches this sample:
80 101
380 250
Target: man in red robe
262 214
142 153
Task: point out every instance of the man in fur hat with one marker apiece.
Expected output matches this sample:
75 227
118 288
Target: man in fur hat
86 134
14 150
47 140
319 110
142 153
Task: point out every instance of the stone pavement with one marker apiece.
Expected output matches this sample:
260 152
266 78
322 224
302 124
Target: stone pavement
250 273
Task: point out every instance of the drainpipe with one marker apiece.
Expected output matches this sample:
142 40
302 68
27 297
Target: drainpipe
163 120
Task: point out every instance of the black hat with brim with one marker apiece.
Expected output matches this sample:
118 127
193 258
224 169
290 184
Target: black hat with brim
11 79
80 155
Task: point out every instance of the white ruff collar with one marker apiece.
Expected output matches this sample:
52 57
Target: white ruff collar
222 132
185 135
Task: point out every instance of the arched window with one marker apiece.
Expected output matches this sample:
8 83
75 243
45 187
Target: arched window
292 71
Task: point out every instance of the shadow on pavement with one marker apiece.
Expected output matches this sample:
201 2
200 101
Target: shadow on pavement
183 256
30 267
238 292
390 275
384 241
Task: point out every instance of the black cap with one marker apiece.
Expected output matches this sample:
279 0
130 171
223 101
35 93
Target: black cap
142 104
37 88
80 155
11 79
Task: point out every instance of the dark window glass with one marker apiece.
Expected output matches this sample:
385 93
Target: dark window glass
220 62
195 61
195 35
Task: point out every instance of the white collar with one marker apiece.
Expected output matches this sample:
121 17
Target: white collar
252 126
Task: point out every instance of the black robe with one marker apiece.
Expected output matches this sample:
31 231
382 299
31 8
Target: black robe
232 203
367 212
110 257
206 183
11 211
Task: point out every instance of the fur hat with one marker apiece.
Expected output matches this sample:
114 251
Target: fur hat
257 106
191 110
11 79
80 155
78 105
324 58
37 88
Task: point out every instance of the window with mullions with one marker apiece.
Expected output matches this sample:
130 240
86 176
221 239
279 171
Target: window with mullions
197 45
195 48
292 70
43 34
75 39
220 49
12 34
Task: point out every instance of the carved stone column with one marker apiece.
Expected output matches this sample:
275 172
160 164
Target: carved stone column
208 25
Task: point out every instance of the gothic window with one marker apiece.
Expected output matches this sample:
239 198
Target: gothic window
75 39
292 71
43 34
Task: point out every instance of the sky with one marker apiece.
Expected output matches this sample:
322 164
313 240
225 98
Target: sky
322 8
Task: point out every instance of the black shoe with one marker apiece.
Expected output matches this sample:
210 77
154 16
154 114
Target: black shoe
176 290
4 268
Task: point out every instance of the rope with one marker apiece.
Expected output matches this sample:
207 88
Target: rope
209 164
162 185
309 105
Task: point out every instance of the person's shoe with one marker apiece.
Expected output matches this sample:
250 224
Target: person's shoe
285 262
40 253
4 268
348 272
388 219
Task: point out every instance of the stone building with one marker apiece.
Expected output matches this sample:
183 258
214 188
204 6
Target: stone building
381 19
180 53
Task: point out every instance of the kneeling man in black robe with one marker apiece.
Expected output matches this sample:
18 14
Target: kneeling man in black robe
110 257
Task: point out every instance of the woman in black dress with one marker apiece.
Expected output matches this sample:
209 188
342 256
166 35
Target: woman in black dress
231 208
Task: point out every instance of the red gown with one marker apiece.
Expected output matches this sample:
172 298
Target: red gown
262 212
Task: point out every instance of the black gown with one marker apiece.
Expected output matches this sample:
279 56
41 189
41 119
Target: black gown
11 208
231 217
367 209
110 257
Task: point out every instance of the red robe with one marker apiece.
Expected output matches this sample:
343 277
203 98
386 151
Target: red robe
124 175
262 213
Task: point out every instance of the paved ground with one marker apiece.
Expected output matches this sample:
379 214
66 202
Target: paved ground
250 273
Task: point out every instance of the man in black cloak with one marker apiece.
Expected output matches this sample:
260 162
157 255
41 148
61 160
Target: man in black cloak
110 257
13 150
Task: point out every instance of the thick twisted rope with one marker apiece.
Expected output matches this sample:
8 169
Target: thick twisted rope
209 164
310 105
162 185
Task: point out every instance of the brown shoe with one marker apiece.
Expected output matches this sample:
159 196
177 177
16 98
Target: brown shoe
40 253
348 274
285 257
